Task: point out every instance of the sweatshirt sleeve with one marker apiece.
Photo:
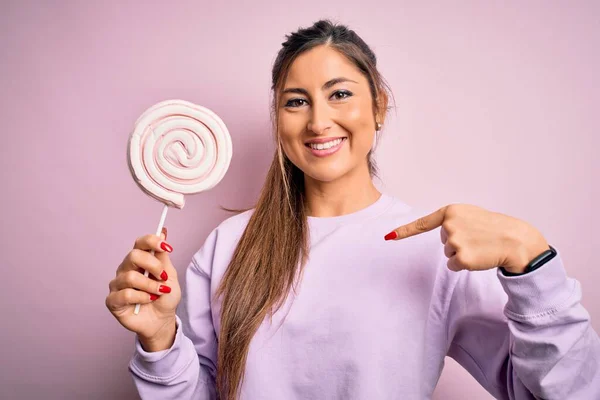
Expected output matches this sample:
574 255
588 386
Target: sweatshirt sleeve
526 336
186 370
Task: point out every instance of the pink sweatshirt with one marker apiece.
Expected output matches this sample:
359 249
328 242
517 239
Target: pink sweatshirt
375 319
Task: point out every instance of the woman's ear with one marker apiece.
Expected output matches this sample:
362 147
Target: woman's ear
382 103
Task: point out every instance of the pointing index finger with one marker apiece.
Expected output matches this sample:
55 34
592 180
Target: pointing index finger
421 225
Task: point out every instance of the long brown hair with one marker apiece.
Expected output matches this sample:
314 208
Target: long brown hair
273 249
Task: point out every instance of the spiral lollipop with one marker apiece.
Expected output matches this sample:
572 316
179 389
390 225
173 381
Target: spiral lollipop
177 148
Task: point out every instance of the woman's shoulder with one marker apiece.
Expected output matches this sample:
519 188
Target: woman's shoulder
236 222
230 230
221 241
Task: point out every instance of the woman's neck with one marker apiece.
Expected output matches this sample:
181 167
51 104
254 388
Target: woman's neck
345 195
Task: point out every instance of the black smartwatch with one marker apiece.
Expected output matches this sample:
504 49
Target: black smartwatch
535 263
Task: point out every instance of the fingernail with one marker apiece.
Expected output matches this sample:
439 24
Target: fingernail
166 247
164 276
164 231
391 235
153 297
164 289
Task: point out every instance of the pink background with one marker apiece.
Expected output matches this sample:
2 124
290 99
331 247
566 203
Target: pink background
497 106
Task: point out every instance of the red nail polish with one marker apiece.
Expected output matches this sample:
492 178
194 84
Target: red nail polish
153 297
391 235
164 276
166 247
164 289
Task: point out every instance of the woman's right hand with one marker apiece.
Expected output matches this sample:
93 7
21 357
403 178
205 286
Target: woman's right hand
159 297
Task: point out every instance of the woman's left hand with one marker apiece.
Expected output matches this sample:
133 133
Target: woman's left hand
478 239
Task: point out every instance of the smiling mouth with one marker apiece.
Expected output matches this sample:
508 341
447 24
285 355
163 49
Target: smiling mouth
325 145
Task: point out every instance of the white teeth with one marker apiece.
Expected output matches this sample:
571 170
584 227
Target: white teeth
326 145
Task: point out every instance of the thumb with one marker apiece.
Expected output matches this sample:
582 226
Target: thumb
163 233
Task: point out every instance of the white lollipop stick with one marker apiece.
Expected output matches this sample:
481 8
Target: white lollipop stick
163 216
177 148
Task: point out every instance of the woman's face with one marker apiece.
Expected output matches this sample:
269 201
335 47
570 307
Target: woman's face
326 118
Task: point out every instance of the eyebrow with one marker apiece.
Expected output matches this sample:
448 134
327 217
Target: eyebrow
327 85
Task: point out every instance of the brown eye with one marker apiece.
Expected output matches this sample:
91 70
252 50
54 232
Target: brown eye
293 103
342 94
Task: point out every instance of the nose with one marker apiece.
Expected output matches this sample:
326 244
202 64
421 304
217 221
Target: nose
320 120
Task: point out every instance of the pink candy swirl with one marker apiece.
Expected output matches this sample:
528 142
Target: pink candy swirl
178 148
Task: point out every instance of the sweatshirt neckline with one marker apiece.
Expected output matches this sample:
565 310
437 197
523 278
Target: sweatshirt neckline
372 210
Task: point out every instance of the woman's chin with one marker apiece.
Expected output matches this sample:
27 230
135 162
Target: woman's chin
325 175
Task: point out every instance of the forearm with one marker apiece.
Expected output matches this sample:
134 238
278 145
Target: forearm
532 337
173 373
553 349
163 340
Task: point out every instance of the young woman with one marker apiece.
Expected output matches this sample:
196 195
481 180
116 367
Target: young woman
302 298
